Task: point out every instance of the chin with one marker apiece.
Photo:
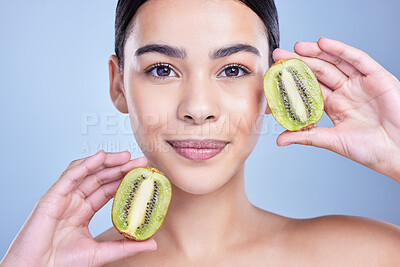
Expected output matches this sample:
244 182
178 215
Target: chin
197 185
195 180
198 181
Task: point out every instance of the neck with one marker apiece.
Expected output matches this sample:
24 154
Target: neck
196 224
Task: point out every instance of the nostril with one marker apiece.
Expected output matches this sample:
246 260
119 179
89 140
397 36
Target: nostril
188 117
199 119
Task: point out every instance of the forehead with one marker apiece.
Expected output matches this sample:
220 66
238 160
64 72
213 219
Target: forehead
197 24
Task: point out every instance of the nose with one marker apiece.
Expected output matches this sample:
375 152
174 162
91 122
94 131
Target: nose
200 101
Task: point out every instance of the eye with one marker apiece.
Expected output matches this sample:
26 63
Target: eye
161 71
235 71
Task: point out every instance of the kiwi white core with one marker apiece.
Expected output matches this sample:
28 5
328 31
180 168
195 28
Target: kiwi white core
294 95
139 205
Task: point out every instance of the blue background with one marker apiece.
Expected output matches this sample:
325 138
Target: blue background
54 79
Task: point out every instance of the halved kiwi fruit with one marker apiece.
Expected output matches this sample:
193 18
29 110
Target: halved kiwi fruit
141 203
293 94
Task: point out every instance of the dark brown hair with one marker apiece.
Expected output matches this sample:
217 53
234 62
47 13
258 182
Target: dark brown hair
126 9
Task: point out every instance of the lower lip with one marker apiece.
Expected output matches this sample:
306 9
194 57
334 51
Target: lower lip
197 154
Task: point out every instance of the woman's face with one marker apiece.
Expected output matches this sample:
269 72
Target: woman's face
197 95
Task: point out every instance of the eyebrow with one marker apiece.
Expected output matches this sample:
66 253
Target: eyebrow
180 53
232 49
167 50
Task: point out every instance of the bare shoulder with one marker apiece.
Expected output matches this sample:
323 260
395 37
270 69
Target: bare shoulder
353 240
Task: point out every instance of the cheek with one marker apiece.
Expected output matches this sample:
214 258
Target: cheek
148 112
247 110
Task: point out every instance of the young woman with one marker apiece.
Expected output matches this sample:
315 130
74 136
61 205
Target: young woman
198 66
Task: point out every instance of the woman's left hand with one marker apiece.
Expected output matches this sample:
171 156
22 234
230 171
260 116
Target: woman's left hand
361 98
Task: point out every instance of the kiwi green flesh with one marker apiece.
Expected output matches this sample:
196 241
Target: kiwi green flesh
304 107
129 210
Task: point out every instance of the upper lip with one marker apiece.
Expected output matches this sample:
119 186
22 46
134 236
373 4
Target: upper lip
197 143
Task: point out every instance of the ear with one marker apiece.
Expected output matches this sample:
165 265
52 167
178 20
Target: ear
117 91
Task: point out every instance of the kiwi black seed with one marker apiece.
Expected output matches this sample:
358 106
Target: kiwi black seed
293 94
141 203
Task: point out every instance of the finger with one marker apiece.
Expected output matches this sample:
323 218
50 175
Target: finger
322 137
357 58
112 159
74 175
325 72
111 251
311 49
75 162
110 174
101 196
326 92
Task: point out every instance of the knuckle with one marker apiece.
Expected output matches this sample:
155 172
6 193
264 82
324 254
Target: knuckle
88 171
358 57
74 162
320 71
338 83
356 62
107 194
308 142
100 180
65 172
337 61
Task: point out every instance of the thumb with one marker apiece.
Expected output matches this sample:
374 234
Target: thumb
111 251
322 137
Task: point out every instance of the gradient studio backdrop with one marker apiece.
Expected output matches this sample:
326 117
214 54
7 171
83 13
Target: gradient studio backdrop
56 108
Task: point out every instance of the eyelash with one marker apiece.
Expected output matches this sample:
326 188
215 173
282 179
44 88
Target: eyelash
245 70
157 65
148 70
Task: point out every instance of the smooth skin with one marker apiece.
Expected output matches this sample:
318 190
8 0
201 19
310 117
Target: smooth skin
210 221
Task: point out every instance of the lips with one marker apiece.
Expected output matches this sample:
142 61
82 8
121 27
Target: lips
200 144
195 149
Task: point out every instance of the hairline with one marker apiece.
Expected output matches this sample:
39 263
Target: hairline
263 30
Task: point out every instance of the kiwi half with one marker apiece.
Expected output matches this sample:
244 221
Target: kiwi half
141 203
293 94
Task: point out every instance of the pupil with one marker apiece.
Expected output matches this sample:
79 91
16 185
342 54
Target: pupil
232 70
163 71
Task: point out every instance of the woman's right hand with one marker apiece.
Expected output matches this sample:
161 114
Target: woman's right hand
56 233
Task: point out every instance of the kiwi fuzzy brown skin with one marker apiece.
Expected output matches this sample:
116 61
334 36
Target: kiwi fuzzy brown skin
127 235
319 98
